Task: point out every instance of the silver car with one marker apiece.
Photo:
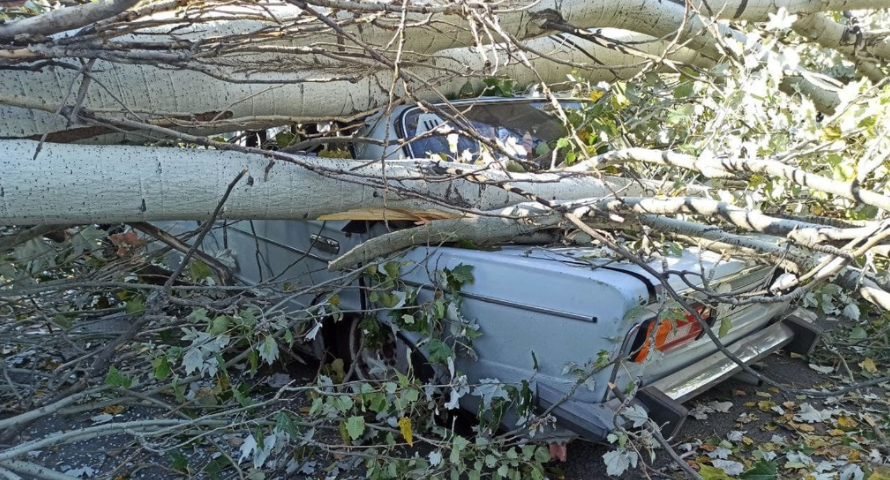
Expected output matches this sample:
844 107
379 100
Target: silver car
552 318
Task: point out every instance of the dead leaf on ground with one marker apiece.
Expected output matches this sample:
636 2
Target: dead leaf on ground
868 365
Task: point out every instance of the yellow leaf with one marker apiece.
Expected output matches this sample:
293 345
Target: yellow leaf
836 432
405 428
596 95
802 427
846 422
113 409
770 447
868 365
880 472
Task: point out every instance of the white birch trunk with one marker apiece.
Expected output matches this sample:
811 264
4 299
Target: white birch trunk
308 91
306 95
72 184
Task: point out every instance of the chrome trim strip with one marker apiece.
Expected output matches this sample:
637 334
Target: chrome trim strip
522 306
532 308
325 244
279 244
733 277
713 369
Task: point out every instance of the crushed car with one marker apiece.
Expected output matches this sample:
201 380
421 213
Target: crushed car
552 319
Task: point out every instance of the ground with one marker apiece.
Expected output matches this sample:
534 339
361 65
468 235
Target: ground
734 426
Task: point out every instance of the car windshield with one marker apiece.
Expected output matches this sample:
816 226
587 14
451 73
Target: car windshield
524 130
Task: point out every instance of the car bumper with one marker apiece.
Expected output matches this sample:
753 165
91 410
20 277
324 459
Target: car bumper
663 398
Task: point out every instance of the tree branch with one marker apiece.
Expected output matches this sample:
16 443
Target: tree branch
65 19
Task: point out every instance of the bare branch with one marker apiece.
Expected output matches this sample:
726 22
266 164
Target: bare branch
65 19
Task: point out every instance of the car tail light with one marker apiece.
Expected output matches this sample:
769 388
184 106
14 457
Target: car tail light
671 333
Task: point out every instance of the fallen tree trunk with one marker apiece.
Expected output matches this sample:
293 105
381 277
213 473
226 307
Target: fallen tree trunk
102 184
222 98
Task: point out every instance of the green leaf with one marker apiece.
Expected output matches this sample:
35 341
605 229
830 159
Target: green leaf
116 379
463 274
858 333
439 308
342 403
63 321
198 315
458 444
684 90
285 423
466 91
378 402
269 350
215 467
763 470
178 461
439 351
388 300
392 270
725 325
355 426
618 461
289 337
135 306
199 270
284 139
219 325
178 390
542 454
161 367
410 395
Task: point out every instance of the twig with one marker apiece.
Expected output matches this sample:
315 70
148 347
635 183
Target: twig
221 270
9 475
86 433
8 242
877 429
655 430
35 471
206 228
49 409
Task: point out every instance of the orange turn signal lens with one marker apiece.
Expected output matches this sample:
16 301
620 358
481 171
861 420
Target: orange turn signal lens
671 334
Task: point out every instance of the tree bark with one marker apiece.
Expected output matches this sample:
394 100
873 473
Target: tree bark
298 92
233 82
71 184
65 19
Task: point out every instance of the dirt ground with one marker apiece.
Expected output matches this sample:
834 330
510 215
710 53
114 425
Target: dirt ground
735 419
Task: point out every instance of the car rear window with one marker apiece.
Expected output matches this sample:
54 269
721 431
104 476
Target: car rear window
516 128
